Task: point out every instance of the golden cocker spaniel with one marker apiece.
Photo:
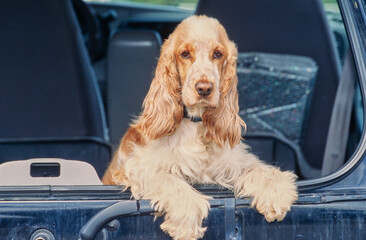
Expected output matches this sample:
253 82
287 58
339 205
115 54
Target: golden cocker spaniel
189 132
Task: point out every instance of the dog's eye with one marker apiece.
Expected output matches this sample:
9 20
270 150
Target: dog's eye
185 54
217 54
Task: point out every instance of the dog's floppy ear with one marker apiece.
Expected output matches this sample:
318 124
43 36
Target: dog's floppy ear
162 107
223 122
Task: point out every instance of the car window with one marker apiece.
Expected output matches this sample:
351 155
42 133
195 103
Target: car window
184 4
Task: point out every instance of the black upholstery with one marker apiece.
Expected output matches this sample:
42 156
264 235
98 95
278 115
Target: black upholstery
132 56
297 27
274 150
48 94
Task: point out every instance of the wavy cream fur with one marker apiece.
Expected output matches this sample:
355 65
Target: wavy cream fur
162 153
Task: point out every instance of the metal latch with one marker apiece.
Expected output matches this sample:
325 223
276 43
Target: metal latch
230 222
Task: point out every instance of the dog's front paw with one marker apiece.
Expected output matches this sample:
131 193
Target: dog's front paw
185 231
185 223
273 192
276 197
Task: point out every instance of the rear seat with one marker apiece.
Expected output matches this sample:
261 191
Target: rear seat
131 60
49 101
294 27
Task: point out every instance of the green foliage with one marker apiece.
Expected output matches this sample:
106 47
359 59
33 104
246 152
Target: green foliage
191 3
161 2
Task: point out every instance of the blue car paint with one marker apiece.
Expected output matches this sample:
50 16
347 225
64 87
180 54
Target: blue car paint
313 217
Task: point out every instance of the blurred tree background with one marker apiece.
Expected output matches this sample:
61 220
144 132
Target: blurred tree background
163 2
330 5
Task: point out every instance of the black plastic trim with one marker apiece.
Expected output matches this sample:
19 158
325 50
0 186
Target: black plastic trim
348 12
102 218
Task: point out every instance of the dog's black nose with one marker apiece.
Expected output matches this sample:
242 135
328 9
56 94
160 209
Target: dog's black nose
204 88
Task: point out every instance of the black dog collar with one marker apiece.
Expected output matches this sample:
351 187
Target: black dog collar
193 119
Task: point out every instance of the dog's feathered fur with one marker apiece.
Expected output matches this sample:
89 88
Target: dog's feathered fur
162 152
